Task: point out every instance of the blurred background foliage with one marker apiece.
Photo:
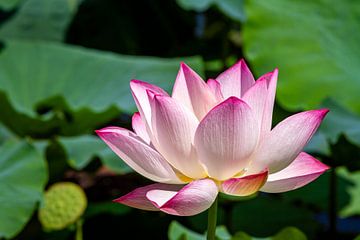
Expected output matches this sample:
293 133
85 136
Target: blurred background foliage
65 67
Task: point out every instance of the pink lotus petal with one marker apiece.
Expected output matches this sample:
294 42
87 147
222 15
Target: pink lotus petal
303 170
137 198
139 127
215 88
286 141
271 79
236 80
138 155
173 133
139 91
226 137
192 91
244 186
261 98
256 98
192 199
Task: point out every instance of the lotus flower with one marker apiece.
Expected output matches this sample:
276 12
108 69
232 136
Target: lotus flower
212 137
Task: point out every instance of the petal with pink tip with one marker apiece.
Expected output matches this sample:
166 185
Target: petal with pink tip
261 98
271 79
215 88
256 98
139 127
173 133
138 155
139 91
137 198
192 91
286 141
244 186
303 170
236 80
226 137
192 199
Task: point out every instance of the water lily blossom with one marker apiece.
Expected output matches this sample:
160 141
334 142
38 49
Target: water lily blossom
210 137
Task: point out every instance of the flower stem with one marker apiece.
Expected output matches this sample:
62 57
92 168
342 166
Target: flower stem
79 233
212 219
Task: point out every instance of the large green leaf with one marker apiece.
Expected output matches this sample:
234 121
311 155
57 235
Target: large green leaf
340 121
81 150
231 8
83 88
179 232
289 233
338 137
353 208
9 4
23 176
318 144
285 234
345 153
315 45
5 134
40 19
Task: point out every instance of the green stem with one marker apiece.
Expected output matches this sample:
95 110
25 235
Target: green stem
212 219
79 233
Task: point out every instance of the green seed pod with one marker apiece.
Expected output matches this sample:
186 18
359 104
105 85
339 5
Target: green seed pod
64 204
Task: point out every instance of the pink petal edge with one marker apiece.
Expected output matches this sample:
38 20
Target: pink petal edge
192 199
139 127
256 98
244 186
137 198
286 141
192 91
271 79
303 170
236 80
139 91
138 155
